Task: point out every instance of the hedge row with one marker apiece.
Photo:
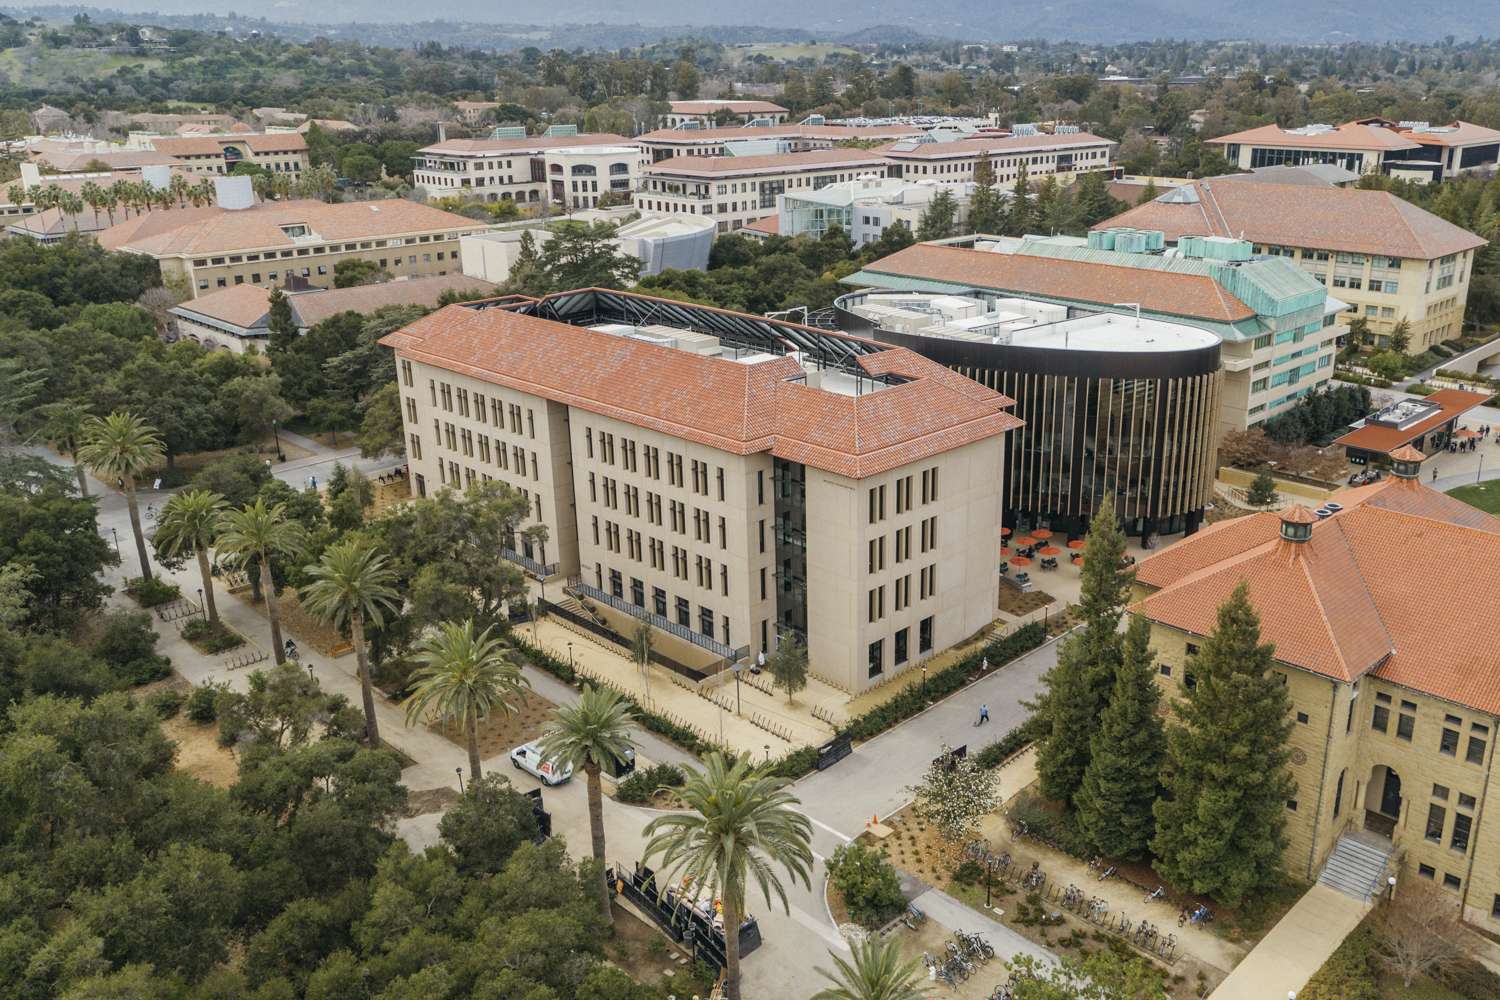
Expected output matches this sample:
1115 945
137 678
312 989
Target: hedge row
1007 746
917 697
1378 383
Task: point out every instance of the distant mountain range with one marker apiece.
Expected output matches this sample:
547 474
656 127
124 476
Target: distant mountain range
1089 21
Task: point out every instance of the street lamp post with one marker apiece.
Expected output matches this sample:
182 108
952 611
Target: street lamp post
924 678
736 669
310 671
768 753
1480 474
460 772
116 534
570 656
202 609
276 433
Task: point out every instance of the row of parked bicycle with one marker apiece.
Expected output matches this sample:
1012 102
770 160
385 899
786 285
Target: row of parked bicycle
965 953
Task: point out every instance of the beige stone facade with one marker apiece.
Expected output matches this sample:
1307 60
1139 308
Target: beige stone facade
411 256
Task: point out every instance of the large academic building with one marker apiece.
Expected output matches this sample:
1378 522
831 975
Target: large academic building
724 477
1390 666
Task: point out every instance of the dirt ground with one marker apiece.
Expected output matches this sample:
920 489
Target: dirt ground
1014 602
642 950
503 733
932 938
914 846
429 800
199 753
298 624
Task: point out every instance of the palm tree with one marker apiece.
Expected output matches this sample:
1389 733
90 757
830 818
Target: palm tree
743 821
72 207
122 446
878 972
202 193
17 194
256 533
464 677
110 202
179 185
62 427
188 523
585 737
119 196
352 584
93 197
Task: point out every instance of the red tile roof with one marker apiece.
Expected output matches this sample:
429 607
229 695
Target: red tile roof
995 144
1166 293
535 143
737 407
1384 587
1350 135
213 145
832 133
813 159
1376 438
1318 218
770 225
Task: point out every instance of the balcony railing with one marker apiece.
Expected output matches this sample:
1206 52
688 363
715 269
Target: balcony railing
541 571
729 653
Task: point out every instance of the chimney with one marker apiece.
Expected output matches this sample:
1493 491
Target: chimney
234 193
442 131
1296 523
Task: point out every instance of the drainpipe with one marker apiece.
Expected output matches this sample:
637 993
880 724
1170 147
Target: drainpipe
1479 813
1333 704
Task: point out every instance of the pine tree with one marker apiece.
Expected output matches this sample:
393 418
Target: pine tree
527 275
282 326
1221 819
1122 780
985 214
1077 689
936 221
1019 220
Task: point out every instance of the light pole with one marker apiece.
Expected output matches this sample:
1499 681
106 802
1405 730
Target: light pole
202 610
570 656
116 534
310 671
924 678
460 772
1390 887
276 433
768 753
1480 474
736 669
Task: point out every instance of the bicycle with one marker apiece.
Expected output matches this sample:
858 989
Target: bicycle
1107 873
976 850
1182 917
1155 894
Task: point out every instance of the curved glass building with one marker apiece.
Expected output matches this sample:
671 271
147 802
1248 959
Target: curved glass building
1115 405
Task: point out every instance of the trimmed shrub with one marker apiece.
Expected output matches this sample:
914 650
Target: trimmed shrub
869 884
1469 979
203 703
1007 746
166 703
211 638
127 643
797 763
153 592
641 785
1350 973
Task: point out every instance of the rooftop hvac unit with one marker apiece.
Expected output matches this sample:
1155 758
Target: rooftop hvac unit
1024 128
1190 246
1413 124
1130 241
814 120
1067 130
1102 239
556 131
508 132
1226 249
759 123
1156 240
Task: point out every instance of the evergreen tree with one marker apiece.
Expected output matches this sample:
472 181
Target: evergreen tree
526 274
1121 782
1221 819
283 326
1149 192
985 213
1095 204
1019 221
936 222
1077 689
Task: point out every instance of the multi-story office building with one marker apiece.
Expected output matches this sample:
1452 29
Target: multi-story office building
529 169
1123 408
708 113
471 113
1416 151
722 476
240 241
736 190
276 152
1392 675
1061 155
864 207
1390 260
665 143
1279 328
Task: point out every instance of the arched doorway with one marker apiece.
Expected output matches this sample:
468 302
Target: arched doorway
1383 800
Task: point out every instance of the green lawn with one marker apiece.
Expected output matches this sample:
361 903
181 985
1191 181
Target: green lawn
1485 496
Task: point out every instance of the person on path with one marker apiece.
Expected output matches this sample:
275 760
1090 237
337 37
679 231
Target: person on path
984 715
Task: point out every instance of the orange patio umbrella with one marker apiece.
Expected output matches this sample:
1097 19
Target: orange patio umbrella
1004 532
1077 543
1023 542
1042 533
1051 550
1019 561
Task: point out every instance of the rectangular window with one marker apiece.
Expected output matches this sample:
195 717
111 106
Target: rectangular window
924 635
1461 826
1437 818
1475 752
1440 792
1451 882
1428 872
899 650
1406 724
1448 742
875 658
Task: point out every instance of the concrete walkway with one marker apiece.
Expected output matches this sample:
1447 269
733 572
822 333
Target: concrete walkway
1296 948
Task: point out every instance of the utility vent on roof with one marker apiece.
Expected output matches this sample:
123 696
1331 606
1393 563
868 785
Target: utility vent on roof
508 132
1024 128
1319 129
1067 130
1414 125
560 130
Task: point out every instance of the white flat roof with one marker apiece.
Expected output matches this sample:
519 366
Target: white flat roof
1112 332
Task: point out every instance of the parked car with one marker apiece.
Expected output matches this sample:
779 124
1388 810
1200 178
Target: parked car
528 758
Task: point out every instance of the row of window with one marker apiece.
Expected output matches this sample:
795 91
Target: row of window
900 648
904 501
926 588
250 258
1448 741
927 539
683 608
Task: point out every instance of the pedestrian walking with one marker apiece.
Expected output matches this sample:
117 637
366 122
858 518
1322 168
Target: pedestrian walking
1434 473
984 715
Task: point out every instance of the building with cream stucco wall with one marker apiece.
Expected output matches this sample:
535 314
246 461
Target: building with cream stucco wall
701 471
1393 678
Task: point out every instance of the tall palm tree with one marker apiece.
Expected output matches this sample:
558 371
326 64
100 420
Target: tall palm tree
93 197
72 207
464 677
122 446
585 737
179 185
188 524
17 194
352 585
743 821
256 533
878 972
63 424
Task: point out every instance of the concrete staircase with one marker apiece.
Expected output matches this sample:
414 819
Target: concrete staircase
1356 867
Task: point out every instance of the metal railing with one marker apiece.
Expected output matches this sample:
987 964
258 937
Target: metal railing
576 586
540 570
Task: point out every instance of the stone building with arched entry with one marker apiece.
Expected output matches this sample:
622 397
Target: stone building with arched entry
1392 664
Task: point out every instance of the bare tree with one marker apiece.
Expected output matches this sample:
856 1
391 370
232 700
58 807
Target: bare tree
1419 931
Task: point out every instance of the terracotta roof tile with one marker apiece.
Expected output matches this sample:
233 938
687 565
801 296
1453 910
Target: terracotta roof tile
812 159
1319 218
736 407
1376 438
832 133
1350 135
995 144
213 145
535 143
1164 292
1384 586
184 231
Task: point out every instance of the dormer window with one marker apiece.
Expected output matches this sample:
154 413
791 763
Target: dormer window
1297 522
296 230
